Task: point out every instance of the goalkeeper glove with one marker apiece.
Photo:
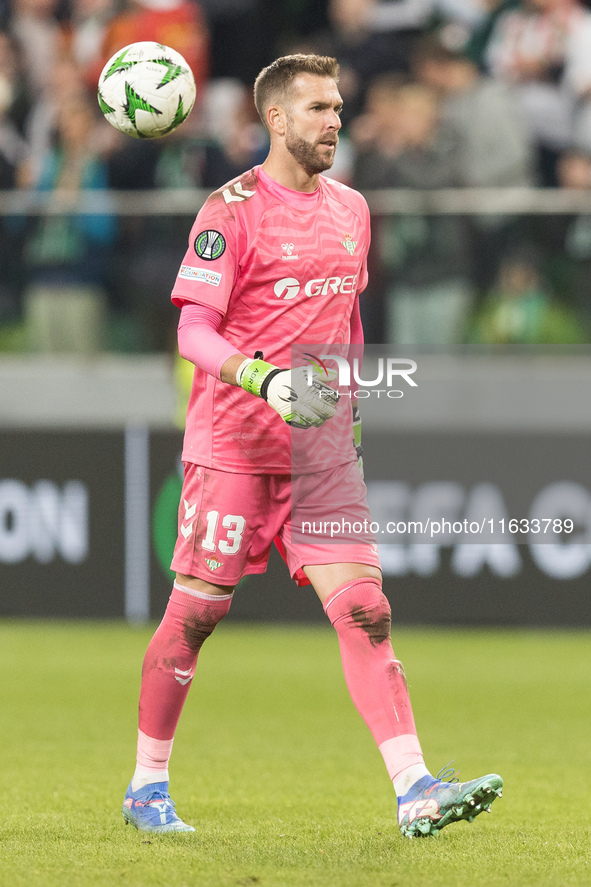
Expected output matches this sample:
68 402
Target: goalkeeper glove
357 436
289 392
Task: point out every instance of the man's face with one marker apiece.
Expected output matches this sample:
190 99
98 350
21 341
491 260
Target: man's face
313 122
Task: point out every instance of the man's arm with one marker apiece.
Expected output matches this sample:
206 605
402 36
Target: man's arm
300 397
231 367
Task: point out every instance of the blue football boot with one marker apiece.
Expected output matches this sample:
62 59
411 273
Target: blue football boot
151 809
431 804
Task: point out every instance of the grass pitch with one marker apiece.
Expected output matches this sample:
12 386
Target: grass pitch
276 770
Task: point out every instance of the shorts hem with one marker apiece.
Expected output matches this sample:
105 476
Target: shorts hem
297 571
210 577
300 564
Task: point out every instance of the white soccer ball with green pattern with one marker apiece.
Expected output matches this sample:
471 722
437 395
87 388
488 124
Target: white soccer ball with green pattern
146 90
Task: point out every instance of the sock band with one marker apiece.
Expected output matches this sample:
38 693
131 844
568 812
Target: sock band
344 588
153 754
202 594
401 752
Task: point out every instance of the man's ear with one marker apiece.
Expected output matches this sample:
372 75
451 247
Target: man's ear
277 120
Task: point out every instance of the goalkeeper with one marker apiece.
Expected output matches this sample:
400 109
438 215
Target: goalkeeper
277 258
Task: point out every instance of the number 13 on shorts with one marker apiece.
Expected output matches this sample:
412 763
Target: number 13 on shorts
227 522
234 525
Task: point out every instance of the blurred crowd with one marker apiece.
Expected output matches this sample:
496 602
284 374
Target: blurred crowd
438 94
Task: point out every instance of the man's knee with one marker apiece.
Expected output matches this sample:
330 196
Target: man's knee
374 617
197 608
361 604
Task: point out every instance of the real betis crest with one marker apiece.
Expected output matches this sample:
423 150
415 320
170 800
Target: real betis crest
349 244
212 563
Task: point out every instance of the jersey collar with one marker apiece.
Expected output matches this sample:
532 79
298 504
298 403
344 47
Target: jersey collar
296 199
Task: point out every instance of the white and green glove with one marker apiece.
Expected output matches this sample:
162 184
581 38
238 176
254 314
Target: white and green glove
289 392
357 436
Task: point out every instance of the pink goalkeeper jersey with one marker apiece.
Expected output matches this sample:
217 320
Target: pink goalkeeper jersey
284 267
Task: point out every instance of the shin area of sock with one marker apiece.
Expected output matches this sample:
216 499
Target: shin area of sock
360 613
169 663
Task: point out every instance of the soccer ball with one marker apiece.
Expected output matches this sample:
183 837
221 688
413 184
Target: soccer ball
146 90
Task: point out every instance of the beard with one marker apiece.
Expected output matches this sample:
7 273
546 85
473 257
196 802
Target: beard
307 153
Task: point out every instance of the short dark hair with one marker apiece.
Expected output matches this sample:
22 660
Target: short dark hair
274 81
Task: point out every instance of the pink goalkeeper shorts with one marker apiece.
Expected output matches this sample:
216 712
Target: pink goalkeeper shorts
228 522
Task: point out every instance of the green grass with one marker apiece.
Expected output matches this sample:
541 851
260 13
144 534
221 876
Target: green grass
275 768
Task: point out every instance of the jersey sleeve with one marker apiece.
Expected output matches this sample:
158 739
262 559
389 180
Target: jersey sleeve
209 268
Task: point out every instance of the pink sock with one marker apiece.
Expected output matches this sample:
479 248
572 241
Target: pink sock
169 665
360 613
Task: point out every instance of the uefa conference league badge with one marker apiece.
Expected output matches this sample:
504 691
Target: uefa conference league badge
210 245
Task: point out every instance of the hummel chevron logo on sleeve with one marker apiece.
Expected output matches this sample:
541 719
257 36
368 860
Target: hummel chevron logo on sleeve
241 193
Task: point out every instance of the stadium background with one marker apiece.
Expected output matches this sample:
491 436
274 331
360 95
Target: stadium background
493 236
484 220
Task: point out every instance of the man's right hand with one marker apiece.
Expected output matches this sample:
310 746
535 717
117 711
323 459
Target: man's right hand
299 396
